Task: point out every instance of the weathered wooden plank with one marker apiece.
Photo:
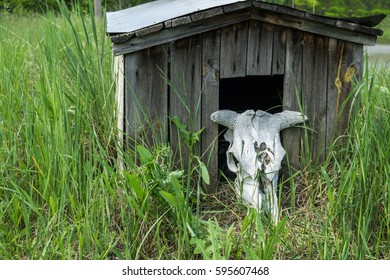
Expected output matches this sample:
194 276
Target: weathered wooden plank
358 28
210 104
237 6
334 88
345 66
292 93
314 87
146 94
207 14
265 5
119 76
122 38
290 11
183 31
181 21
185 90
234 43
260 40
315 27
148 30
321 19
353 72
279 50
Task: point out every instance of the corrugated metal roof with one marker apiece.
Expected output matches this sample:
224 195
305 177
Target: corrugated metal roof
155 12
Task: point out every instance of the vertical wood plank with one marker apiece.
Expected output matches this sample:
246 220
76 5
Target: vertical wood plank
353 71
210 104
119 76
292 93
146 95
260 41
345 66
336 49
185 89
279 50
234 42
314 95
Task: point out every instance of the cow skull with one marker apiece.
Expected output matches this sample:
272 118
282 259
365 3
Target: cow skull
255 153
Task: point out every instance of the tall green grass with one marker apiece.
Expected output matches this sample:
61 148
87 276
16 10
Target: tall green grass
346 215
56 132
63 195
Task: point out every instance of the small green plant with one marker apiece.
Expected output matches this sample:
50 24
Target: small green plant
217 242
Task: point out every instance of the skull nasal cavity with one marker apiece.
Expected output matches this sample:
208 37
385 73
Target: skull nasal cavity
262 147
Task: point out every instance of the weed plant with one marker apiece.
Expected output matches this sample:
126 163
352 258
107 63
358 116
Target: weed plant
63 194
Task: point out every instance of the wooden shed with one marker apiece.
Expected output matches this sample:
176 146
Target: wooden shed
190 58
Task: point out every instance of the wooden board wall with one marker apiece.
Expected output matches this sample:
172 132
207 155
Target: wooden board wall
292 94
234 42
314 91
146 95
185 89
210 104
344 68
259 56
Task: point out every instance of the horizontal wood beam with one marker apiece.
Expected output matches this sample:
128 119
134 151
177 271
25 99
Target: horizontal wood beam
179 32
315 27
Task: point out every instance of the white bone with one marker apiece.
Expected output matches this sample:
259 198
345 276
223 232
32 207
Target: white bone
255 153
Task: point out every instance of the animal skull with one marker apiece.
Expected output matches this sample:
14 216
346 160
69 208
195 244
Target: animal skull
255 153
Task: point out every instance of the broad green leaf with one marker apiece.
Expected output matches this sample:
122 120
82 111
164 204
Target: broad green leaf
204 173
145 154
171 199
135 185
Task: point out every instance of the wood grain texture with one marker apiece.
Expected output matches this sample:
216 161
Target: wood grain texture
279 50
314 91
316 27
185 89
119 76
345 67
292 93
234 43
182 31
352 73
146 96
210 104
260 42
336 50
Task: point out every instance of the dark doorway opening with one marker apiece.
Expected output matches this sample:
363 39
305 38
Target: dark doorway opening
251 92
247 93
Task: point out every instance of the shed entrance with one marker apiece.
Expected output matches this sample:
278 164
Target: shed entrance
247 93
252 92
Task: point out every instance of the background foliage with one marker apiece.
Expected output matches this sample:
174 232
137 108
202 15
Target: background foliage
323 7
20 6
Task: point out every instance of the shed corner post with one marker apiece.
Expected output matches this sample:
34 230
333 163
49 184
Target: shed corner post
119 70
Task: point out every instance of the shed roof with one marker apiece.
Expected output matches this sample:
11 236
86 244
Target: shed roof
155 12
163 21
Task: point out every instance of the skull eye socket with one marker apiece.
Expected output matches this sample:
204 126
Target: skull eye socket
232 163
234 159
